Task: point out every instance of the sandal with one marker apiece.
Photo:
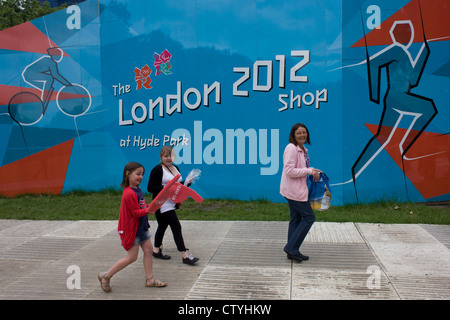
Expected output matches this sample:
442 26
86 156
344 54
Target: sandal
156 283
161 255
105 286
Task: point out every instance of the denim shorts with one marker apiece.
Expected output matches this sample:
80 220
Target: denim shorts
142 238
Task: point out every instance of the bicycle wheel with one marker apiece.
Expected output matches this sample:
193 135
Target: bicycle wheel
26 108
74 100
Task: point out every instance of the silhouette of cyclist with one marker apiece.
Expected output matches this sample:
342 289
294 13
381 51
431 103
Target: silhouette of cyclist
43 72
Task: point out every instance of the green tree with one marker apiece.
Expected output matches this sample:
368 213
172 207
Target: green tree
14 12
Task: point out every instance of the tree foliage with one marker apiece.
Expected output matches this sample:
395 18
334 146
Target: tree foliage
14 12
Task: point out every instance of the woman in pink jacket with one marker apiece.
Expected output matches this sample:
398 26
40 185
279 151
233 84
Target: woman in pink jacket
294 188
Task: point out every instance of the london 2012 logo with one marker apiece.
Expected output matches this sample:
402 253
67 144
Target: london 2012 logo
161 64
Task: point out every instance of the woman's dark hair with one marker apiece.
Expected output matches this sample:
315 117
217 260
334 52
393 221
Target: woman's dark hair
292 133
129 168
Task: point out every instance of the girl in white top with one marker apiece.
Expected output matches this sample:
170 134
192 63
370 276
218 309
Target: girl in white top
168 175
166 215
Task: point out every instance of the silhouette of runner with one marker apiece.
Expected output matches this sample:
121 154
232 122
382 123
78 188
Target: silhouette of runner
403 73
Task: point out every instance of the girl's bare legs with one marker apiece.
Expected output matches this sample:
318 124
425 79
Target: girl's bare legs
147 247
150 281
131 257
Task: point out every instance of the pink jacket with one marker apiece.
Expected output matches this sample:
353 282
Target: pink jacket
293 179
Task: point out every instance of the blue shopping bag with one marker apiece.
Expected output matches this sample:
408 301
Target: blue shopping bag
320 193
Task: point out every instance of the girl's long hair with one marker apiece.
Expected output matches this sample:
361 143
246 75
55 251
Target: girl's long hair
168 150
129 168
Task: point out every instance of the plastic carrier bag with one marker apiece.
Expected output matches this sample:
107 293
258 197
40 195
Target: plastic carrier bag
319 193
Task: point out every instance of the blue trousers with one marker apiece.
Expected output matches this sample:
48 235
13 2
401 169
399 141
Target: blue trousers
302 218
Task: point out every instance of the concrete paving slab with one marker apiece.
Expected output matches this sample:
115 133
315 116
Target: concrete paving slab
439 232
327 284
238 260
416 263
407 250
334 232
233 282
31 228
84 229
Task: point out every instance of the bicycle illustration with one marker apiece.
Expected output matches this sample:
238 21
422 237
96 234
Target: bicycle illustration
27 108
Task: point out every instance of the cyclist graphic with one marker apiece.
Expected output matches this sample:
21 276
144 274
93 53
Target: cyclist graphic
43 72
26 108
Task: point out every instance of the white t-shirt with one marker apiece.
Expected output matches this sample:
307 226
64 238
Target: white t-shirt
167 176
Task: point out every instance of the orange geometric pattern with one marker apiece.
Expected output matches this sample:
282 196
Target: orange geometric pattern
434 14
34 40
40 173
430 164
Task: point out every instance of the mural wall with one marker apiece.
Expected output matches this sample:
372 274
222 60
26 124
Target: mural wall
87 89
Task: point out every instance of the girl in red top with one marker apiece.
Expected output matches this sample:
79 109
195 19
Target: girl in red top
133 228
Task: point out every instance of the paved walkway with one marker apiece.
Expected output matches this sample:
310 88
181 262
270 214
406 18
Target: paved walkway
238 260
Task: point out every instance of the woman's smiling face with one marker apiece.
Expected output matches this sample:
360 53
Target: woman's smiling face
301 135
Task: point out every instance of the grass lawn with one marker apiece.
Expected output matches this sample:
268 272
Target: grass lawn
104 205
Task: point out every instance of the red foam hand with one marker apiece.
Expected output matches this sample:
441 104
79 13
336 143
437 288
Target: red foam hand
176 192
179 193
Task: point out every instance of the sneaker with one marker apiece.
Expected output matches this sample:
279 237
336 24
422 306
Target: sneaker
190 260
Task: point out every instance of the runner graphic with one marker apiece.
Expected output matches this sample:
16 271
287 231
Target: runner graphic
403 74
403 67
